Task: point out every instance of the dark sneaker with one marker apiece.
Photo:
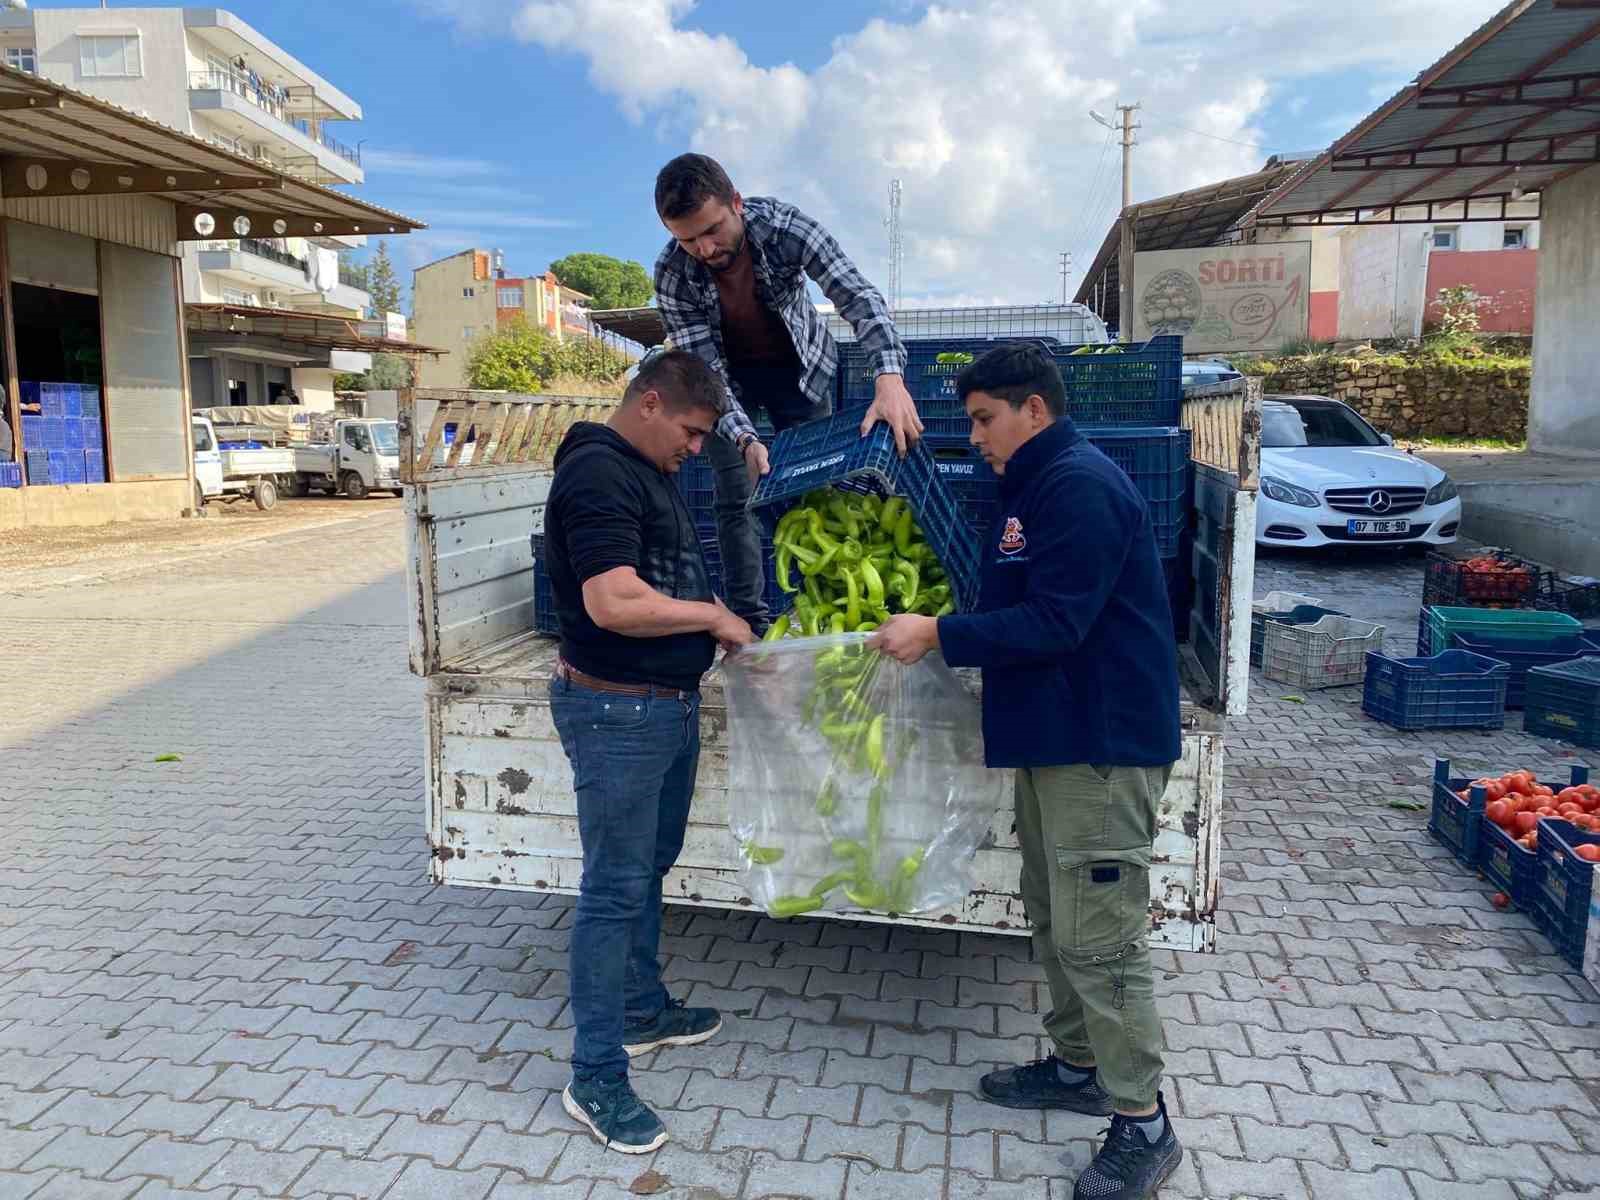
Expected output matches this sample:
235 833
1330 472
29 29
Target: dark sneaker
616 1117
674 1025
1038 1085
1128 1167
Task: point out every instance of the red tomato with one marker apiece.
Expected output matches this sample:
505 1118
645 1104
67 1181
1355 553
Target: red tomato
1544 810
1526 822
1500 812
1518 781
1589 801
1588 851
1570 795
1569 811
1500 900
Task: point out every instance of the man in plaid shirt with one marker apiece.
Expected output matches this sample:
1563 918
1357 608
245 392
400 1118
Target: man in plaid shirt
731 287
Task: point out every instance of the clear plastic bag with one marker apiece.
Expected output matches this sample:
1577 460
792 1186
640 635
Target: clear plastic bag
853 781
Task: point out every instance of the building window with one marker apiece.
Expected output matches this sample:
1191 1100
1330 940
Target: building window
110 57
1444 237
468 332
20 58
234 296
509 297
468 293
1515 237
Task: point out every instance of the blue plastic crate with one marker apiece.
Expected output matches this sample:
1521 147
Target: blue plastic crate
89 399
544 597
66 466
832 453
1436 625
93 434
1520 655
28 391
1157 461
1453 690
10 475
932 365
36 466
1510 867
1456 824
1300 614
53 399
72 430
696 482
971 481
71 401
1141 384
1563 701
1564 885
94 466
33 432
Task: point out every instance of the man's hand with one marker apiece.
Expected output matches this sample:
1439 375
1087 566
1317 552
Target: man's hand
893 404
731 630
755 460
906 637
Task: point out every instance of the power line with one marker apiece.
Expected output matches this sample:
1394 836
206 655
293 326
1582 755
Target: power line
1216 137
1081 226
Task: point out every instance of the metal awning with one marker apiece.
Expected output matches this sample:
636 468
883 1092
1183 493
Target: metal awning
1512 109
303 329
642 325
1197 217
57 141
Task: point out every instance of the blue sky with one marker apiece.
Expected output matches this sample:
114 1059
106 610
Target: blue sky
537 126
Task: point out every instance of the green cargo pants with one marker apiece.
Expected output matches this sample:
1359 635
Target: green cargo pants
1086 834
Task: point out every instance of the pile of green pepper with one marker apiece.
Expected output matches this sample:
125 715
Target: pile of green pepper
861 560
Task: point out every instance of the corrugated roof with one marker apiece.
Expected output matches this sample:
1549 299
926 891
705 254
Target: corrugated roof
49 121
1197 217
1515 105
308 329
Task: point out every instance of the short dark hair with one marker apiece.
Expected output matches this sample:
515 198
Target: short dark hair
682 380
687 182
1013 373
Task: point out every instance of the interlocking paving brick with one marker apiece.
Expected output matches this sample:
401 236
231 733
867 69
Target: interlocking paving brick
78 1150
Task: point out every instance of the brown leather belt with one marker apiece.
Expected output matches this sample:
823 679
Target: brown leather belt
565 670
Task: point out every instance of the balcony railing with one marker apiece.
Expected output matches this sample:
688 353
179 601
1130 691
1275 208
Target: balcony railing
353 276
271 99
258 248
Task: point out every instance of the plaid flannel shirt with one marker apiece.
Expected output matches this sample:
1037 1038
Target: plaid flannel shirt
787 246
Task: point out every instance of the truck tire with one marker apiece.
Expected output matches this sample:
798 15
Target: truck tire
353 485
265 494
294 485
199 499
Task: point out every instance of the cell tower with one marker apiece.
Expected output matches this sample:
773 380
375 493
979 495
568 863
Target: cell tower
897 248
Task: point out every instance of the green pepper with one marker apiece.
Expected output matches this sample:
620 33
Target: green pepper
873 582
946 609
792 906
852 608
827 799
762 856
902 532
867 895
784 556
777 629
828 882
890 516
875 800
850 551
820 565
848 848
836 623
844 515
866 627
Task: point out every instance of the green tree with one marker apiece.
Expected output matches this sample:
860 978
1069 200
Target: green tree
389 372
590 359
383 285
611 282
352 272
516 357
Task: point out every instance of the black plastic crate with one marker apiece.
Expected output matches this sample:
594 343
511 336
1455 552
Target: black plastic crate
932 365
1507 865
1157 461
1448 582
1565 884
1563 701
1455 823
696 480
1453 690
1581 600
971 481
832 453
1520 655
1139 383
544 597
1300 614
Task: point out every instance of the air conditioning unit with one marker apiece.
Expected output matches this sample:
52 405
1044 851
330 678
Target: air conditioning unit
272 299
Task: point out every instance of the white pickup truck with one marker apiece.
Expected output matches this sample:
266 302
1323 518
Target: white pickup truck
228 471
499 802
362 457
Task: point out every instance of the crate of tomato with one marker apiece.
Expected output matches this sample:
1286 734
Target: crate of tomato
1569 848
1489 580
1508 841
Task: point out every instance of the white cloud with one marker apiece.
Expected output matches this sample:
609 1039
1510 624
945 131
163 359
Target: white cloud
980 108
408 162
491 219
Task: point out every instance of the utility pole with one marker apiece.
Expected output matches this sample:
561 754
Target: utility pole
1066 272
896 244
1125 254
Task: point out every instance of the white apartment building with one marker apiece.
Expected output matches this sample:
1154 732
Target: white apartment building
206 72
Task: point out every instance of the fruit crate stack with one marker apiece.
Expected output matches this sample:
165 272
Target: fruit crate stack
1520 638
1290 608
1563 701
64 442
10 474
1493 579
1453 690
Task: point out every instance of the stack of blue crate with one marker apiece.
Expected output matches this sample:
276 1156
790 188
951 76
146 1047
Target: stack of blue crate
64 442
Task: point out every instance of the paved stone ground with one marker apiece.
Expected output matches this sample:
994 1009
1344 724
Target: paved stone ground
225 976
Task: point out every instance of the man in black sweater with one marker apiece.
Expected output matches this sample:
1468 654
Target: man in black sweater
639 627
1073 631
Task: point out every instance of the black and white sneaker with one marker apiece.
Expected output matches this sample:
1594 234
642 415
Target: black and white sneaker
675 1025
611 1111
1039 1085
1128 1167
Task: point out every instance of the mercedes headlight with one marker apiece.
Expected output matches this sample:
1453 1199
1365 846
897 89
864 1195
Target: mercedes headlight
1444 490
1287 493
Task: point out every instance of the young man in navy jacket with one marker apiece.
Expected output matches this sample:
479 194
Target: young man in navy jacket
1073 631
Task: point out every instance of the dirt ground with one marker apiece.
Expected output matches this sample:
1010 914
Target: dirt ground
31 558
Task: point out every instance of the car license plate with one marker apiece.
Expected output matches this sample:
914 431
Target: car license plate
1376 528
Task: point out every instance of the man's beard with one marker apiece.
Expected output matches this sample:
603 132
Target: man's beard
733 256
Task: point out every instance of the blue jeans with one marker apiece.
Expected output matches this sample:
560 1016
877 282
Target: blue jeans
633 765
777 391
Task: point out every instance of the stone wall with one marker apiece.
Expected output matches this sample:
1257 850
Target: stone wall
1411 399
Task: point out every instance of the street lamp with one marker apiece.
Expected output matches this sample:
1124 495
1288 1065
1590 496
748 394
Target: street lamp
1101 119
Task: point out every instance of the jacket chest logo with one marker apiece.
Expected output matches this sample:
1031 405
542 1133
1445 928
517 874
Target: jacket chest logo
1011 539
